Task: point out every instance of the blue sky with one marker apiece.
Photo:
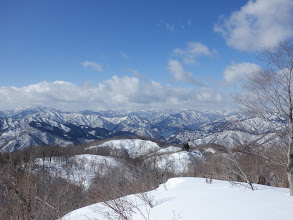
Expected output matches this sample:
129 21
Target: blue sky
86 54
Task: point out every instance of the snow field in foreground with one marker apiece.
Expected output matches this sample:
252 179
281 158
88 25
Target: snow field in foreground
192 198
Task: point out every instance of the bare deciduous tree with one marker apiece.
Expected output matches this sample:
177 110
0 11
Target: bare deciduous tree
268 94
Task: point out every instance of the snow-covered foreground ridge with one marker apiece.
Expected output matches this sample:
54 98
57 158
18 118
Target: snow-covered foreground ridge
193 199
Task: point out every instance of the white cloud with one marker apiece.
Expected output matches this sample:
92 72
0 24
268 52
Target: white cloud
192 51
257 24
239 71
178 73
93 65
125 92
124 55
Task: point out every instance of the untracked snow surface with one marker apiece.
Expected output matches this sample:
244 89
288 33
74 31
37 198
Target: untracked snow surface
193 199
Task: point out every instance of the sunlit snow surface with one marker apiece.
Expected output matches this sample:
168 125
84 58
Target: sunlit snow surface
193 199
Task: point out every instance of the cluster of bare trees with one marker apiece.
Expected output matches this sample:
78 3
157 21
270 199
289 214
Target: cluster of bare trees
268 93
123 183
136 178
238 166
29 193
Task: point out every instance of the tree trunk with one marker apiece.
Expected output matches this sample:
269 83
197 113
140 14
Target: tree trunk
290 149
290 165
290 178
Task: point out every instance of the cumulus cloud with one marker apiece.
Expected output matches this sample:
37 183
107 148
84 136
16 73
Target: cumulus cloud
93 65
257 24
116 92
239 71
178 73
192 51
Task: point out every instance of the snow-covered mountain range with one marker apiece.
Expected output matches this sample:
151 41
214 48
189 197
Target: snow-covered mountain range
26 127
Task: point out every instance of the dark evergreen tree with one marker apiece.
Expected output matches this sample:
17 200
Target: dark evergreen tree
186 147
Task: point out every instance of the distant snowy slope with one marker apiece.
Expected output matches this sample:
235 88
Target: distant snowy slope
174 159
134 147
79 169
228 138
170 149
194 199
178 162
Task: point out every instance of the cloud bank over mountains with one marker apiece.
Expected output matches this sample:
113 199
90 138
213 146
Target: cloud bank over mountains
124 92
257 24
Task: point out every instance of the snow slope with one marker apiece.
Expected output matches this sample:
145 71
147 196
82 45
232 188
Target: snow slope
79 169
170 149
190 198
177 162
134 147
